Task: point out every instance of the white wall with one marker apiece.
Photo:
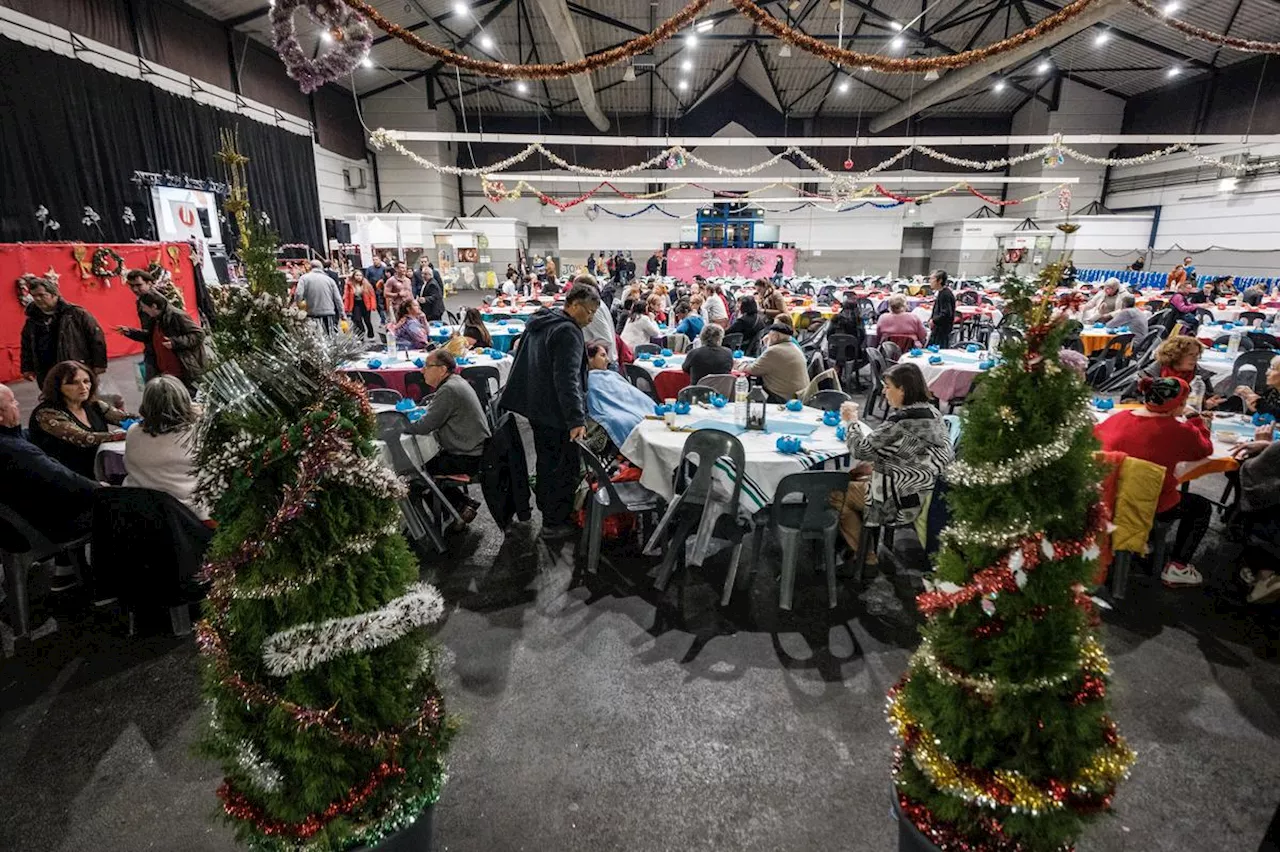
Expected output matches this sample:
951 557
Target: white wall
418 189
336 201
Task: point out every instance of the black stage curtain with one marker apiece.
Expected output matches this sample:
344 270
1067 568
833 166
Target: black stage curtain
73 135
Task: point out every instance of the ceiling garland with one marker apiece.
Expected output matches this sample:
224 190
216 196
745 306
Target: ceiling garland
1245 45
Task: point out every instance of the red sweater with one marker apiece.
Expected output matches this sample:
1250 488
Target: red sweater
1166 441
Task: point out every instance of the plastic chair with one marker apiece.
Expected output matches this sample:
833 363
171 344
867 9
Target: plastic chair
953 428
694 497
826 377
1116 350
416 387
816 364
1260 359
1251 316
847 353
828 400
866 309
694 394
1205 315
417 510
721 383
876 392
811 518
1246 345
676 342
484 380
608 498
367 378
732 341
21 547
892 351
1264 341
384 396
651 348
807 319
640 377
1156 305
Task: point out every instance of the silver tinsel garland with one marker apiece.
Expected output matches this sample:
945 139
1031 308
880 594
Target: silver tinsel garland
1006 471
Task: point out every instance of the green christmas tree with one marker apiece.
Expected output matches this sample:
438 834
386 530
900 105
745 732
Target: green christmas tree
1006 740
325 712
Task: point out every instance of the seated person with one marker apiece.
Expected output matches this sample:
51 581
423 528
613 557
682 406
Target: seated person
749 323
475 331
1178 357
781 369
899 462
459 423
1259 501
900 326
55 500
410 327
1128 316
71 422
1253 296
1246 399
551 287
1156 434
640 328
158 452
613 403
1104 303
849 321
710 358
689 318
1184 305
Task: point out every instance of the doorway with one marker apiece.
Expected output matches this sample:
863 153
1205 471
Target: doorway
917 243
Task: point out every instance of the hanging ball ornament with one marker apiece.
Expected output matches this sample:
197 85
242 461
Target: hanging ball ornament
848 165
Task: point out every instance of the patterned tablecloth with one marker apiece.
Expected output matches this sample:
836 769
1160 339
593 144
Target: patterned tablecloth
655 449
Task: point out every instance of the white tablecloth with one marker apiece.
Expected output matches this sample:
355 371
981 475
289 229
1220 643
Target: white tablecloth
655 449
1226 432
953 377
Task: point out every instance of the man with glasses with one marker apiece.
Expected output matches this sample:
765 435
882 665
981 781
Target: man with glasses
458 421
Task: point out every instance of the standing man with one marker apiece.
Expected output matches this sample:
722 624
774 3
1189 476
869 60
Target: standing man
652 265
943 317
551 269
319 294
777 272
376 274
591 263
433 295
141 281
332 273
174 344
548 385
398 289
420 276
57 331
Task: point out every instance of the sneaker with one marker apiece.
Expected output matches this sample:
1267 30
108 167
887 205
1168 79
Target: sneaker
1176 575
1265 590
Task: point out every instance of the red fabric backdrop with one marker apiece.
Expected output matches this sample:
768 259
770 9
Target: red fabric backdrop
109 300
683 264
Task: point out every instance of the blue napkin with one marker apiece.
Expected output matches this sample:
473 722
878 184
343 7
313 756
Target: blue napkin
415 414
1104 404
986 365
718 401
935 359
128 423
1099 325
659 362
666 353
1221 347
972 347
374 363
1228 325
682 408
738 353
842 433
502 322
916 352
795 405
1261 419
831 418
495 355
462 362
933 348
405 405
661 409
788 445
419 362
644 356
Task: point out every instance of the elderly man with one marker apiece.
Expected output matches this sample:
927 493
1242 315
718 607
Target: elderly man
781 368
548 386
460 426
1128 316
317 292
1104 303
58 331
49 496
943 318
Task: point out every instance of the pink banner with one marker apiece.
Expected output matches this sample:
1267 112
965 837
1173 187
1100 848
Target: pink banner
728 262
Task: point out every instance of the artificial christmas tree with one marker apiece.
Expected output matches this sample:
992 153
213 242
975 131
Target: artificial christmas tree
326 715
1006 739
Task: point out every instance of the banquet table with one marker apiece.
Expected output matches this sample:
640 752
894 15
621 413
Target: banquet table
1225 430
492 314
394 367
669 378
1208 332
501 331
952 378
655 449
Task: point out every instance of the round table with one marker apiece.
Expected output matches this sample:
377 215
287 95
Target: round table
1225 431
394 367
501 332
655 449
671 377
952 378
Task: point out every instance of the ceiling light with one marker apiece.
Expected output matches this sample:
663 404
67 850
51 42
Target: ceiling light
461 8
898 43
325 37
1045 67
630 74
1103 35
522 87
366 62
784 50
1171 7
687 65
704 26
691 40
844 86
866 67
897 26
683 85
1174 71
999 86
486 41
931 75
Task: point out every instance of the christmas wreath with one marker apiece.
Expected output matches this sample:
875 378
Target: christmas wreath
107 263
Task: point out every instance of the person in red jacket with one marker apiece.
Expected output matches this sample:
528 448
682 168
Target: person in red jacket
1156 434
360 300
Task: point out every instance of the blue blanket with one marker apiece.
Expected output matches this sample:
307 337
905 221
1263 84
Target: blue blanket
616 404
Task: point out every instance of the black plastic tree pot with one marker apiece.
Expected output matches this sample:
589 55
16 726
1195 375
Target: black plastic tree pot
414 837
910 838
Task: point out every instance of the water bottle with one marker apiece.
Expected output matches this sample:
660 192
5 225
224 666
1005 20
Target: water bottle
1233 343
1196 399
740 401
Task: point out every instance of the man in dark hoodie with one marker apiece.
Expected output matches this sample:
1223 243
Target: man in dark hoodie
548 385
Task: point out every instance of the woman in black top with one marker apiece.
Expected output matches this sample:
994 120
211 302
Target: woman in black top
71 422
750 321
474 329
848 321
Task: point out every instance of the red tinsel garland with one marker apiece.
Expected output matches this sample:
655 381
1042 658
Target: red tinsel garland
239 807
902 199
995 201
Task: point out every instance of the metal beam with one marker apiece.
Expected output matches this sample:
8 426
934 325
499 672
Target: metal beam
1138 40
584 12
863 141
252 15
523 13
566 35
961 78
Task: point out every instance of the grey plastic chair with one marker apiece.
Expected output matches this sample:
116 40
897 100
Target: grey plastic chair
721 383
384 396
651 348
418 514
640 377
21 547
698 510
1261 361
811 518
693 394
608 498
828 400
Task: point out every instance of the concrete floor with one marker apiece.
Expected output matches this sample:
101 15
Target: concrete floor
600 715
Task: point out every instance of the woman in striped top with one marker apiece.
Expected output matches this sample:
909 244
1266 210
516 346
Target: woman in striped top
898 463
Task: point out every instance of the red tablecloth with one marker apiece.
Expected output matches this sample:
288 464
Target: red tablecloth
108 299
